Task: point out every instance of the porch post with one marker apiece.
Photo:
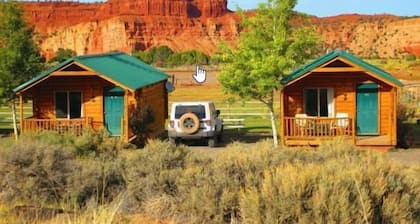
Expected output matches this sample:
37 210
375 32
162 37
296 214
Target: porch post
353 123
125 119
393 120
282 140
21 113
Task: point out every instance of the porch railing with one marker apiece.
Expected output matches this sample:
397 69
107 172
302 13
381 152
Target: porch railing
75 126
317 127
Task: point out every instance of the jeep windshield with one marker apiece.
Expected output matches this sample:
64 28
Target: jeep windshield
198 110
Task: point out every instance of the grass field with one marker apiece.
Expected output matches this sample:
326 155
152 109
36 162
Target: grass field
6 116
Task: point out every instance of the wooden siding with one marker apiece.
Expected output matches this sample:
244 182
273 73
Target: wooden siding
156 98
92 96
344 85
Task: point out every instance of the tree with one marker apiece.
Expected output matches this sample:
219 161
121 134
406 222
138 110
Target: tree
267 49
156 55
161 54
19 56
62 55
164 56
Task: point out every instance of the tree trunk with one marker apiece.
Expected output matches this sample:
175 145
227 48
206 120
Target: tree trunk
15 130
273 126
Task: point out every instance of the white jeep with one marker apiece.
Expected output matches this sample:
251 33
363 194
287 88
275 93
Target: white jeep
195 120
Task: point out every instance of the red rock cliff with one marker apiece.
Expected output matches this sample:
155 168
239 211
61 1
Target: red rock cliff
131 25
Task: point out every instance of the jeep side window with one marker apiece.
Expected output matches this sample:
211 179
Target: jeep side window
198 110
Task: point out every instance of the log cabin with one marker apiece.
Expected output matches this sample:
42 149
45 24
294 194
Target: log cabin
101 91
339 95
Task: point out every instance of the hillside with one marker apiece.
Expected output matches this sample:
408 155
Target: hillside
384 36
129 25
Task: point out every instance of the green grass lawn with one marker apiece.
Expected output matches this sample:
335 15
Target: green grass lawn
6 115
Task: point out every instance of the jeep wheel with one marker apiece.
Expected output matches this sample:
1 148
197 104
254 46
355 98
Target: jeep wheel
189 123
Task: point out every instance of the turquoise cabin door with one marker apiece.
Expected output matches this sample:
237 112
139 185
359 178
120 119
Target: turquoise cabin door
367 109
113 109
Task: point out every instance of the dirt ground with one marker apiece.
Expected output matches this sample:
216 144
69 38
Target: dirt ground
406 156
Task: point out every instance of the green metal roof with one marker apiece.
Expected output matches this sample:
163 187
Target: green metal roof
334 54
119 67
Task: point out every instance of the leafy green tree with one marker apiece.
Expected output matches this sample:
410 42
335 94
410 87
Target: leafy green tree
200 58
174 60
410 57
19 56
62 55
267 49
161 54
164 56
144 56
157 55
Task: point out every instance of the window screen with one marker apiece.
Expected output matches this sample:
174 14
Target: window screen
323 103
319 102
311 102
75 104
61 105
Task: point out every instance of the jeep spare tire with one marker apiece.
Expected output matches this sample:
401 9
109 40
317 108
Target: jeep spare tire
189 123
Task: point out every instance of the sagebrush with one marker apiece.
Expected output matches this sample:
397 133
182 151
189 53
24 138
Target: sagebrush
242 184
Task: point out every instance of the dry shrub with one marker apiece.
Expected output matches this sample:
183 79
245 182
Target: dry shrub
209 192
98 179
41 171
96 143
35 173
153 173
244 183
259 184
160 207
349 187
95 214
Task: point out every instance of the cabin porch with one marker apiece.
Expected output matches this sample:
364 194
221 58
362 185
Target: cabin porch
312 131
62 126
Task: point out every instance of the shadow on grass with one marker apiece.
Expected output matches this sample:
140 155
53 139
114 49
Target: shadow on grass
414 135
408 135
5 132
244 135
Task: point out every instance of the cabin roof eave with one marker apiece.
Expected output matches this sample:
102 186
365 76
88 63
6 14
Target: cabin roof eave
118 68
371 70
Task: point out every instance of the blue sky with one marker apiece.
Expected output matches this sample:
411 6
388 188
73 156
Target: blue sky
335 7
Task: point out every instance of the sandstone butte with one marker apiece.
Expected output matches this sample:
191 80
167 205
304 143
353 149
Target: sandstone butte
128 25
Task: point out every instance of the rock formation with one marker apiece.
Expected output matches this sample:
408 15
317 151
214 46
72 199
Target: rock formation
128 25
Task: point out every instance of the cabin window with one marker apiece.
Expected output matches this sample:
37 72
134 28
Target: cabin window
319 102
68 105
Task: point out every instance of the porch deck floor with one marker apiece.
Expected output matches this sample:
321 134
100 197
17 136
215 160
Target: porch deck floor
384 140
